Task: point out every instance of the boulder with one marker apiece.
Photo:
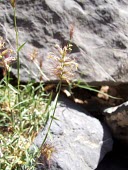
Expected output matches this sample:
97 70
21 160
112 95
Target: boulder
79 140
117 120
100 38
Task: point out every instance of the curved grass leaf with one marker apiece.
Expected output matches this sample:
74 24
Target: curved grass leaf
21 47
95 90
5 115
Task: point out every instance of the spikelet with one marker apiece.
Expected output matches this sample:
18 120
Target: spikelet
13 3
64 66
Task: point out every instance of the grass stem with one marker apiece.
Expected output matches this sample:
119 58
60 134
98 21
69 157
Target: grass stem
17 53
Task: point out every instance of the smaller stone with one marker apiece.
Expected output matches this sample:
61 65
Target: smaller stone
117 120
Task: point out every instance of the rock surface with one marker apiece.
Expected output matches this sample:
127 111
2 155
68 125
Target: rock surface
117 120
100 38
80 140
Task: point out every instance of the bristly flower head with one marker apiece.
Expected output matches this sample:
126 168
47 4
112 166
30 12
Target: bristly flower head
5 56
13 3
64 65
47 151
34 55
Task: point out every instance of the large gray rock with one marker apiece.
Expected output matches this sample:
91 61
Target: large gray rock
100 36
80 141
117 120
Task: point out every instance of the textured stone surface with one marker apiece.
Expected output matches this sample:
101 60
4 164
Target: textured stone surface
100 35
80 140
117 119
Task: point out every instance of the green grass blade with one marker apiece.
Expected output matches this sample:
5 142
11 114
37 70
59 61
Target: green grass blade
5 115
13 89
21 47
95 90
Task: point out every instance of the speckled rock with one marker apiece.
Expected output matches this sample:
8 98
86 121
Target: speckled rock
80 141
117 120
100 38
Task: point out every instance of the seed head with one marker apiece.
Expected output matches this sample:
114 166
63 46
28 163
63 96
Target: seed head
6 57
6 53
64 65
47 151
33 55
13 3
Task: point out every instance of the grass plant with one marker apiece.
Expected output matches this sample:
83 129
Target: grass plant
20 120
19 126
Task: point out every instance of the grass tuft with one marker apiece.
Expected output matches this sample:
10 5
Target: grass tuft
20 125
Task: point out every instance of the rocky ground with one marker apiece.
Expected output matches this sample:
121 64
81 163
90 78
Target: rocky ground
117 159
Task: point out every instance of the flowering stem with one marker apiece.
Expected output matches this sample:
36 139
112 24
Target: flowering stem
7 78
58 89
53 114
17 46
16 29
